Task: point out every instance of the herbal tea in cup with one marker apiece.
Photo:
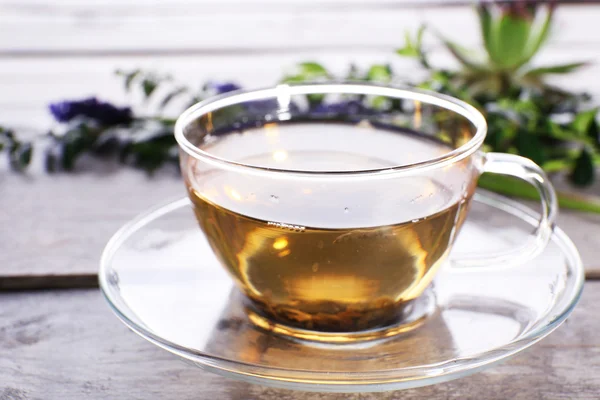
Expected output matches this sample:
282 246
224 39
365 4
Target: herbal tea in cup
334 218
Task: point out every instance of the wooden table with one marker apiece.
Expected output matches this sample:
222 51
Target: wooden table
58 339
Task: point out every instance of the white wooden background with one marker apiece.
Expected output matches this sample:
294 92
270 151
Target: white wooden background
59 49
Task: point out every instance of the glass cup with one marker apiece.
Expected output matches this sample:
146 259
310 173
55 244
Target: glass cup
333 205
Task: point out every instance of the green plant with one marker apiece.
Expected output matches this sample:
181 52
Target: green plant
526 114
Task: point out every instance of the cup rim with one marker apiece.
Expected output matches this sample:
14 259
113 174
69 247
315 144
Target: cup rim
283 92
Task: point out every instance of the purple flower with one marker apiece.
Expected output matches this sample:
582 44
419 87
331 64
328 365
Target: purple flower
222 87
349 107
520 9
104 113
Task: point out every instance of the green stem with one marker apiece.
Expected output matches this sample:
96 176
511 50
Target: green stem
162 120
517 188
565 164
554 166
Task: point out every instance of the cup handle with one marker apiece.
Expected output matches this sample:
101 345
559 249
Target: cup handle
525 169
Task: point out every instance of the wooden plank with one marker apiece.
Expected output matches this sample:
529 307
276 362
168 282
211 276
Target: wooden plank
68 345
70 4
56 226
27 86
88 27
48 281
582 228
62 222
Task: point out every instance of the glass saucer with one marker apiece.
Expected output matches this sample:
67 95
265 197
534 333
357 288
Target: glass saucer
162 280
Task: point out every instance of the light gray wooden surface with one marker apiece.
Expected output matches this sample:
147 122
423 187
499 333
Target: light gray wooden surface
67 345
58 225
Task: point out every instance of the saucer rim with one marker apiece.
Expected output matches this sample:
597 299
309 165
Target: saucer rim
371 381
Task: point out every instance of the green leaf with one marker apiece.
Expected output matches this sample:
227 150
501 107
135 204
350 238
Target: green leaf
293 79
171 95
20 155
313 69
529 146
419 40
485 24
407 39
510 38
129 77
538 37
407 52
461 55
555 69
315 99
583 121
409 49
583 170
73 144
69 155
556 165
593 133
556 131
515 187
380 103
307 71
25 154
501 132
151 153
508 185
149 85
107 143
380 73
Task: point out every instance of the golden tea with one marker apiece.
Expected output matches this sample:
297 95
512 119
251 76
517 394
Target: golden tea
329 279
316 256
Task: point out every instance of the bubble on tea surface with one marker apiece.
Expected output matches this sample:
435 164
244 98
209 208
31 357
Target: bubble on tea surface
274 199
315 267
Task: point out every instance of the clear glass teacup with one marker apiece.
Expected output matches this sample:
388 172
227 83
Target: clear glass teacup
334 205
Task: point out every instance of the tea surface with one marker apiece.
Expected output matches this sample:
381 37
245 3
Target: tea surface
339 274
